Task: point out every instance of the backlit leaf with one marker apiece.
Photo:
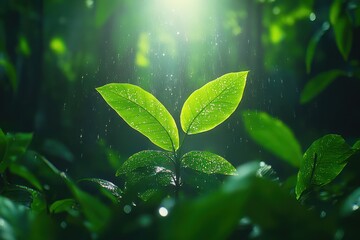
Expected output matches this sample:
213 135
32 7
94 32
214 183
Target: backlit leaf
143 112
273 135
207 162
213 103
342 27
147 158
323 161
318 83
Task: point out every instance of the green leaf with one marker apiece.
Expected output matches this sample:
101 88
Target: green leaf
357 145
146 178
213 103
310 51
63 205
208 163
143 112
273 135
23 172
147 158
104 10
97 214
323 161
17 145
114 190
14 219
10 71
25 196
342 27
318 83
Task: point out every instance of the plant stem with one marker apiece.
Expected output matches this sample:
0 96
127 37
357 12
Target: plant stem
177 175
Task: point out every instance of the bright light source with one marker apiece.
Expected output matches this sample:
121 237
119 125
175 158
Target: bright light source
163 212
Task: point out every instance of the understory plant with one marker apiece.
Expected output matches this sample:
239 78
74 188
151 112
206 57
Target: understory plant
202 111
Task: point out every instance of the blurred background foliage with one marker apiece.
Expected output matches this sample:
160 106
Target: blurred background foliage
304 69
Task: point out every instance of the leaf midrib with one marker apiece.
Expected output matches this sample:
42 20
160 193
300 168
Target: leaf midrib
187 131
167 133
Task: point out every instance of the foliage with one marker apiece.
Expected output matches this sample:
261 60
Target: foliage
204 109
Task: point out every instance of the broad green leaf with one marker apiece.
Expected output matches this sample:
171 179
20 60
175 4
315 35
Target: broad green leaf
342 27
318 83
146 178
273 135
147 158
207 162
114 190
17 145
213 103
310 51
143 112
64 205
323 161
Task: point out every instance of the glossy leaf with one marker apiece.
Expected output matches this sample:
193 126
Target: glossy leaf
106 185
147 158
213 103
207 162
310 51
323 161
342 27
318 83
143 112
63 205
273 135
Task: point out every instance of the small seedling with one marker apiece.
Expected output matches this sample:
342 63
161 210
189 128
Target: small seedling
202 111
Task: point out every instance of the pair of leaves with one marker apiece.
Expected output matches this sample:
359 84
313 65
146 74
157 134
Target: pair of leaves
205 108
323 161
206 162
161 164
